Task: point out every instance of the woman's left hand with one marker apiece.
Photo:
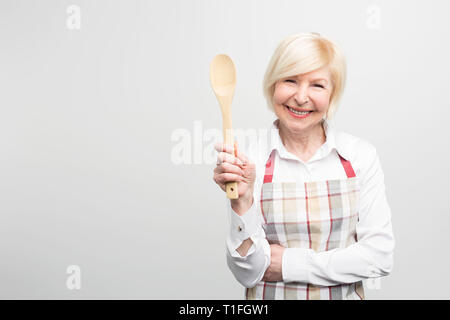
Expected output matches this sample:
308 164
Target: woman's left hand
273 272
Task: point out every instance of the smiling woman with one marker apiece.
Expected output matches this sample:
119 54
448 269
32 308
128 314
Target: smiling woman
313 58
313 220
304 81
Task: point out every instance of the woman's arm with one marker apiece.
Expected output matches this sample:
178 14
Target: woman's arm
371 256
241 206
248 252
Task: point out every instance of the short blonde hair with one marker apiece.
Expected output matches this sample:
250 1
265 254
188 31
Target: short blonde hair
302 53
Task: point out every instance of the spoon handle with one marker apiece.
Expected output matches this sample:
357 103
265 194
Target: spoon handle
232 190
230 187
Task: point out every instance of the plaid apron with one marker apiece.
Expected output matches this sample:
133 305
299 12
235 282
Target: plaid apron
319 215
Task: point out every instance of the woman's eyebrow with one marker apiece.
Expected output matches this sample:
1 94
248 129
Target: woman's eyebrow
320 79
316 79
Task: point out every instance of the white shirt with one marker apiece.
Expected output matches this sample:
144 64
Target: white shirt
371 256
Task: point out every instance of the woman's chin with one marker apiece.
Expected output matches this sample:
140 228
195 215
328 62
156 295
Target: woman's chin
294 124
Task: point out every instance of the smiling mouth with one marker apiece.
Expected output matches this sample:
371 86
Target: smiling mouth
298 112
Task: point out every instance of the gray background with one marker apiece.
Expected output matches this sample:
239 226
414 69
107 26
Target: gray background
86 119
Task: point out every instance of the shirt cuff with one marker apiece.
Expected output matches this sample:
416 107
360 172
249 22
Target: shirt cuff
295 265
243 227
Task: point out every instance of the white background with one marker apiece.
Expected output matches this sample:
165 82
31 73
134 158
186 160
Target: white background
87 115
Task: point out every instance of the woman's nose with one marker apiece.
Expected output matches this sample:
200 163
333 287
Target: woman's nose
301 96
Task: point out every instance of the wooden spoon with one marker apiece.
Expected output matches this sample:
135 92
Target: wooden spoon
222 75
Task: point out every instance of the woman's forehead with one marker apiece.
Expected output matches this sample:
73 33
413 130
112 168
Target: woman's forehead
319 74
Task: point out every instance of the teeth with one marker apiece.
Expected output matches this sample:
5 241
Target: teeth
298 112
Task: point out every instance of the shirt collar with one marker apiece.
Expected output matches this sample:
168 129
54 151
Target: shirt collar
330 144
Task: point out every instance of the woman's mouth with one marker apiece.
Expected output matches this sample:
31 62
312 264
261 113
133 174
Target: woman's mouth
298 114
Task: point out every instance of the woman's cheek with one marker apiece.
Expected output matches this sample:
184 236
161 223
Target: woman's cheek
321 100
277 99
281 94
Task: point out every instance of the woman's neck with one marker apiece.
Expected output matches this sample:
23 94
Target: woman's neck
303 144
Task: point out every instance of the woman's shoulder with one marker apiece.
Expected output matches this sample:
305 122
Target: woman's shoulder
361 153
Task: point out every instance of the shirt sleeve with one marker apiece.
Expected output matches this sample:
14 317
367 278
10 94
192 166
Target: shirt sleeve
371 256
249 269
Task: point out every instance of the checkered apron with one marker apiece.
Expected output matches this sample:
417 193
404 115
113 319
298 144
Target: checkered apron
319 215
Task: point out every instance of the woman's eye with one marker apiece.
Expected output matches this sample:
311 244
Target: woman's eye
319 85
289 80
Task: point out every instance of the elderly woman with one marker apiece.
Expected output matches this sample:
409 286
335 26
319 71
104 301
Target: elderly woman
312 220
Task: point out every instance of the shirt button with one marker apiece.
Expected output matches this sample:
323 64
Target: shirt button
239 228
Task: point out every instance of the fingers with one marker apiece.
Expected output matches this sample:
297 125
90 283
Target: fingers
228 167
223 157
227 153
223 178
222 147
231 166
240 155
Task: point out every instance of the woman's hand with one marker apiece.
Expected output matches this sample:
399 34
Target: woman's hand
273 272
240 169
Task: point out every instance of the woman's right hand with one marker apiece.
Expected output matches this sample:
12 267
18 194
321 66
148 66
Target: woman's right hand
240 169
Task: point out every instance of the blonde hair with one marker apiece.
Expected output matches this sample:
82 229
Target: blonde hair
302 53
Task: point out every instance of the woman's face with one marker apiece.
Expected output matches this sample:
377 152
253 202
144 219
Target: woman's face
305 92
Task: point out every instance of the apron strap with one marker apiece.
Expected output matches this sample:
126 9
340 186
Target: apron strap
270 164
268 174
347 167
